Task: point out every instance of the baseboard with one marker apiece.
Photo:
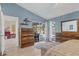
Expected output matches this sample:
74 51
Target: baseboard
0 54
3 54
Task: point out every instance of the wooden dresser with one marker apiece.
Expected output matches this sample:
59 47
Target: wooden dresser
27 37
65 36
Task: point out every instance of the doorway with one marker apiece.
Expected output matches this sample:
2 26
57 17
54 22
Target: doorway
52 31
11 32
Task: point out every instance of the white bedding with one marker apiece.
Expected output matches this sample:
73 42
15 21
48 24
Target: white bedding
68 48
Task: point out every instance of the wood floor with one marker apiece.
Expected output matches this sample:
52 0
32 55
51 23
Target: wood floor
28 51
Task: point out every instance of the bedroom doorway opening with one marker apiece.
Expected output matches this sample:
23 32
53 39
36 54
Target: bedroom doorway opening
39 30
11 32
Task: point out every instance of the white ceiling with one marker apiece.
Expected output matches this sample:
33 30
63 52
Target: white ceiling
50 10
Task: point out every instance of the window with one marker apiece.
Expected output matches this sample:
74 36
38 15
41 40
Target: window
52 28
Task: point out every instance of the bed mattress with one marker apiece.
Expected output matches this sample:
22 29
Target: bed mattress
68 48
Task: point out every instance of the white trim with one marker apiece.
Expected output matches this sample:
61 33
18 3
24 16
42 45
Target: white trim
17 31
2 33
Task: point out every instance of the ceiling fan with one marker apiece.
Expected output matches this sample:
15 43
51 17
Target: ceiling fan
25 21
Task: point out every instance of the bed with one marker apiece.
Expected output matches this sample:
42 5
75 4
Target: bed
68 48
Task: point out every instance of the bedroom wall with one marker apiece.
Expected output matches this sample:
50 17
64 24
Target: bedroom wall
70 16
12 9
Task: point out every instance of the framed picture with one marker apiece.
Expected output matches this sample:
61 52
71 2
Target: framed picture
70 26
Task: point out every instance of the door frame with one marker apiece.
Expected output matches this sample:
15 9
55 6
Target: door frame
17 26
2 36
2 32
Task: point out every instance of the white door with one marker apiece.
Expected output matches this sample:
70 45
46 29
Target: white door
2 37
10 21
0 29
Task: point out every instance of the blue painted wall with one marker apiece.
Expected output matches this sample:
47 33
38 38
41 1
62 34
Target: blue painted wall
70 16
13 9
